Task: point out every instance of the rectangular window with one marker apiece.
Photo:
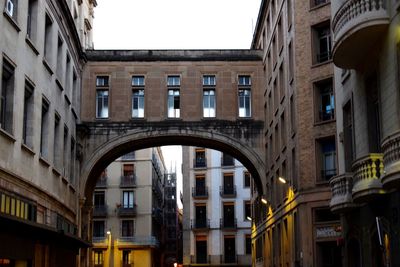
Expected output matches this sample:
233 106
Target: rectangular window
7 97
57 141
200 215
60 66
283 131
201 249
173 83
98 228
327 158
248 244
209 103
138 96
322 42
229 249
32 19
127 199
98 259
11 8
72 162
47 38
247 210
102 89
27 125
128 170
227 160
228 220
291 62
325 100
65 154
348 136
99 198
244 96
44 129
209 80
126 257
247 178
200 158
127 229
68 76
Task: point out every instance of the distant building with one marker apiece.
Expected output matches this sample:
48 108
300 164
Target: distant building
216 209
128 211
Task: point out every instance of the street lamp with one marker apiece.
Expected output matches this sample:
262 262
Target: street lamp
264 200
282 180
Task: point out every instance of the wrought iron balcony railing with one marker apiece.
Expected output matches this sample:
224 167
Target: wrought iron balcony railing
200 224
228 223
101 183
127 211
128 181
200 192
227 191
100 211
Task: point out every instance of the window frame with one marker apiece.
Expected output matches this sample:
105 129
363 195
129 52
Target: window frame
244 96
173 96
104 88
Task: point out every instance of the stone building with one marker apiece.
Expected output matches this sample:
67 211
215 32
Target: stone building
217 212
293 225
41 46
365 192
128 211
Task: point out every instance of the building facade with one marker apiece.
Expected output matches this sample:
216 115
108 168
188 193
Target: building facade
365 192
292 224
128 211
41 65
216 209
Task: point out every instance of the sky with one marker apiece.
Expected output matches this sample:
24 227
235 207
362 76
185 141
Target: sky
174 24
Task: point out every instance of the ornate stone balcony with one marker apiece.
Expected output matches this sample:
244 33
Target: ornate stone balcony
357 26
391 159
341 187
367 173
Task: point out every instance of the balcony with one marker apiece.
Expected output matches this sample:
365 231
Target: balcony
128 181
200 192
229 258
228 224
200 224
200 259
101 183
140 241
100 211
199 163
358 26
127 211
227 191
391 159
367 173
341 187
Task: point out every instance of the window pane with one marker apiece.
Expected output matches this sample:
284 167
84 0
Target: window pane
138 81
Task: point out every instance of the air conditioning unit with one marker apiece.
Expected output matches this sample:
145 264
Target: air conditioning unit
10 7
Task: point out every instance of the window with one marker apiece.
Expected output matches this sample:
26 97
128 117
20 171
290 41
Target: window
289 12
137 96
7 97
65 159
248 244
282 88
209 96
247 178
200 158
68 77
322 42
348 136
129 156
229 249
201 249
102 88
127 228
128 170
27 124
244 96
98 258
327 150
280 35
47 38
291 62
127 199
60 66
247 210
98 228
11 8
72 162
99 198
325 100
283 131
57 140
227 160
44 129
32 19
228 220
126 257
173 83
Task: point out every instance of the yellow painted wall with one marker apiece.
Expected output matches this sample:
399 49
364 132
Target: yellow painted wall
142 258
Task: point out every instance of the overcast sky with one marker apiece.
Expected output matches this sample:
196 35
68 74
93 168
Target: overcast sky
175 24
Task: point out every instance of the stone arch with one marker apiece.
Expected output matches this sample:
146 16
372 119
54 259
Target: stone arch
97 157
